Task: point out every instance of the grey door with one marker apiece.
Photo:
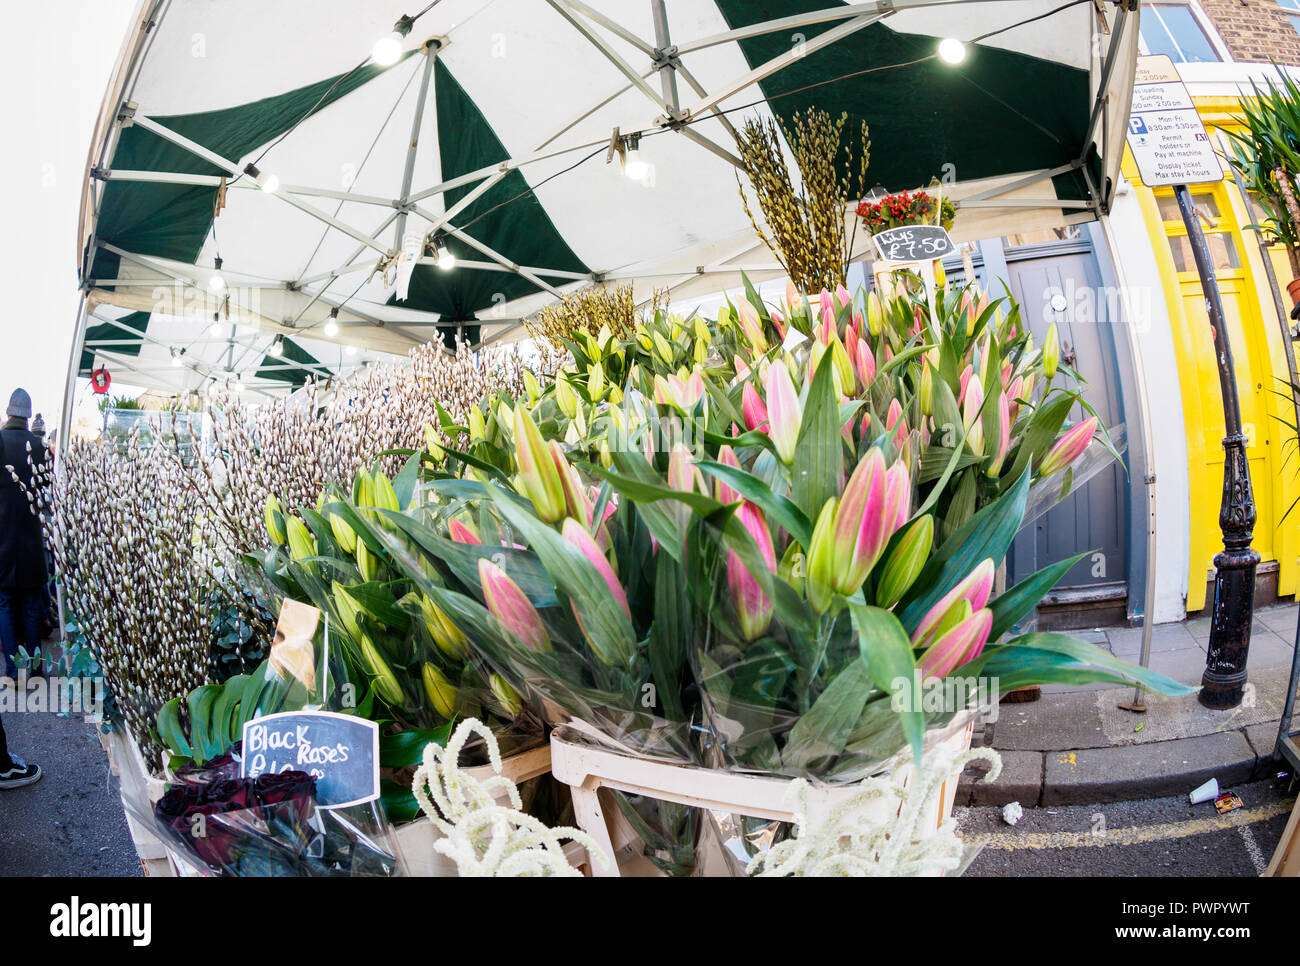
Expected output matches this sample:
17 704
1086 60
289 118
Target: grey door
1061 282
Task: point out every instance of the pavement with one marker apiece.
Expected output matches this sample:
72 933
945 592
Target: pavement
70 823
1076 746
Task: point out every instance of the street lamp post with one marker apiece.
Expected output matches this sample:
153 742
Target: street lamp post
1223 682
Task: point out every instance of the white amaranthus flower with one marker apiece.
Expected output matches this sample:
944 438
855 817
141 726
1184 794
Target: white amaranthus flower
853 840
482 837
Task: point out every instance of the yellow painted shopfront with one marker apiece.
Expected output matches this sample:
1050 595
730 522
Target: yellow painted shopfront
1260 358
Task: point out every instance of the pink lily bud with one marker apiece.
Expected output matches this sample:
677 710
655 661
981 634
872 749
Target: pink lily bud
539 480
752 408
1004 435
461 533
866 363
751 325
792 299
958 646
894 415
1068 448
974 591
742 368
859 532
575 498
970 416
577 534
721 491
683 474
842 297
965 381
851 341
1006 374
898 497
753 607
784 412
511 607
827 308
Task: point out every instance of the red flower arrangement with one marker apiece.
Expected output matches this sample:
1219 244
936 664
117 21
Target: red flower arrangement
905 208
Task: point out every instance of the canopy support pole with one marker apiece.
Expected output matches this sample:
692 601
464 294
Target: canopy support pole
1129 324
408 172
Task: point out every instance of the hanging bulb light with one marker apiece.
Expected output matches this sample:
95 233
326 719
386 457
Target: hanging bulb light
277 347
633 166
388 50
216 283
952 51
214 329
443 257
267 182
239 383
176 356
351 350
332 324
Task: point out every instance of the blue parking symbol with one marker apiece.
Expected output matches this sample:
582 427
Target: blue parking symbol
1137 126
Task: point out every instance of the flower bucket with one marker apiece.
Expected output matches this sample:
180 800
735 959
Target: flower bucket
139 790
587 766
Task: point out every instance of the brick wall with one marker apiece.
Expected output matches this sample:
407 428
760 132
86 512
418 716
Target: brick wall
1255 31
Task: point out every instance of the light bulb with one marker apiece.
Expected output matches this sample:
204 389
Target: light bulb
351 350
634 167
270 184
216 283
952 51
277 347
239 384
444 259
214 329
387 50
176 356
331 328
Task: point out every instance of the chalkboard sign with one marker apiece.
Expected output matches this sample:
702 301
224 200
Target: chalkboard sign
340 750
913 243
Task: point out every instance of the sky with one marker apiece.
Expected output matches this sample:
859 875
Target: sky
56 70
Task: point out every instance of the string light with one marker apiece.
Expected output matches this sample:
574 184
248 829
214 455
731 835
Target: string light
267 182
388 49
633 166
214 329
277 347
443 257
176 356
216 283
952 51
332 325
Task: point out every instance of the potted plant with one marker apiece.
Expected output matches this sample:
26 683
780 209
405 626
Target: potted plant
1264 154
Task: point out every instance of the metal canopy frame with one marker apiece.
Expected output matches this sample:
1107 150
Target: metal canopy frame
666 59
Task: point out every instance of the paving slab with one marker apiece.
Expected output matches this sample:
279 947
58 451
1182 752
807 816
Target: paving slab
1281 620
1054 722
1021 781
1126 642
1145 771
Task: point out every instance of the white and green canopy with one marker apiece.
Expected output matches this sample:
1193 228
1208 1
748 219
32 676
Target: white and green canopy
489 136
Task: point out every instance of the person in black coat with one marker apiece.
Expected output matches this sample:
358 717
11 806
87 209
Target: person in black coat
22 557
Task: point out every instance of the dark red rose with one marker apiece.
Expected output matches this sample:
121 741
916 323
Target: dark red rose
271 789
176 801
228 794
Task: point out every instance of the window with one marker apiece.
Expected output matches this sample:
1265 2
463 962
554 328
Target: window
1290 5
1173 29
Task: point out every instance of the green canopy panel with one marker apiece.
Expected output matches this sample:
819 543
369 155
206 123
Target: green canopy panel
487 142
